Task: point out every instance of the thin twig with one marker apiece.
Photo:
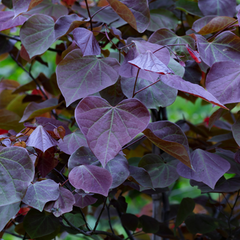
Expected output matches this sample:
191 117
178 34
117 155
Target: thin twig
98 219
10 37
89 14
110 40
131 143
99 10
109 218
135 84
13 234
84 219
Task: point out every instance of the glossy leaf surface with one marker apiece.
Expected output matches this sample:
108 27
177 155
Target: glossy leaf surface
14 183
170 138
75 75
106 128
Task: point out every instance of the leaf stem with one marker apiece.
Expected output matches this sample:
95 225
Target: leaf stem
89 14
13 38
98 219
109 218
135 84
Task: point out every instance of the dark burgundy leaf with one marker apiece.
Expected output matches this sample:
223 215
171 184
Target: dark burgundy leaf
158 95
207 167
149 62
39 193
177 82
149 224
82 200
41 139
91 179
225 47
106 128
236 132
86 41
129 221
165 36
218 7
37 34
7 212
135 12
66 23
237 157
75 219
63 204
142 177
223 80
118 167
170 138
194 54
14 183
82 155
75 75
72 142
162 170
201 22
193 72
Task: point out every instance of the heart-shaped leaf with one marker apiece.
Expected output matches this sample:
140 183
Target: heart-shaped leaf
107 129
149 62
20 6
217 7
163 171
207 167
177 82
75 75
225 47
223 80
170 138
14 183
118 167
158 95
39 193
41 139
63 204
72 142
91 179
82 200
37 34
86 41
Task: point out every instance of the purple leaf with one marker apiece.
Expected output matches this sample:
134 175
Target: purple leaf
118 167
170 138
163 171
82 156
39 193
218 7
158 95
177 82
162 18
225 47
16 173
37 34
7 212
201 22
48 8
135 12
165 36
75 75
128 70
20 6
149 62
91 179
141 176
65 24
82 200
36 109
7 20
236 131
86 41
223 80
72 142
106 128
41 139
207 167
63 204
